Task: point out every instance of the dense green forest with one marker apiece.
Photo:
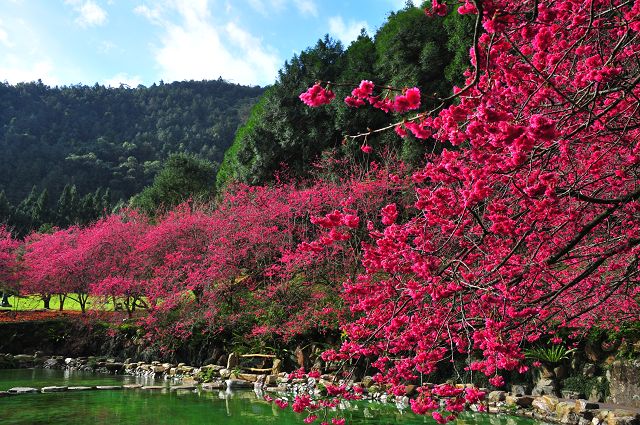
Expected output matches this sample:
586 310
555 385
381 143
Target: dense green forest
408 50
96 145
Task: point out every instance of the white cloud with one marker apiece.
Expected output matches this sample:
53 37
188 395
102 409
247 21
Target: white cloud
4 37
306 7
346 32
153 15
196 48
268 7
106 46
23 56
14 70
90 14
123 78
259 6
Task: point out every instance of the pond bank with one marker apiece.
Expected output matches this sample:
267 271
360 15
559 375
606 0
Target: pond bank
186 378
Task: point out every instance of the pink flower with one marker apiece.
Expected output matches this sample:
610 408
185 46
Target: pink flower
384 104
338 421
497 381
439 418
418 130
317 96
309 419
364 90
301 402
354 102
366 149
408 101
467 8
389 214
473 395
542 127
438 8
315 373
281 403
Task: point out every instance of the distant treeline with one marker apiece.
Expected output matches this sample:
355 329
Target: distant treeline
37 211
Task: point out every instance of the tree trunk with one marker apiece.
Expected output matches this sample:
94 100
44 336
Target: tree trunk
197 293
47 300
82 300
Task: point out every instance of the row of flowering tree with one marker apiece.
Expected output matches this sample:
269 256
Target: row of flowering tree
256 263
529 219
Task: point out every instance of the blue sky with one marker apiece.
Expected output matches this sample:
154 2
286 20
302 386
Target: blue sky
66 42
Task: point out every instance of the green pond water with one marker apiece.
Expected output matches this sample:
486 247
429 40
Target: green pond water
145 407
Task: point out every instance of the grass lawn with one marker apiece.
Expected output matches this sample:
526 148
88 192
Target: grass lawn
33 302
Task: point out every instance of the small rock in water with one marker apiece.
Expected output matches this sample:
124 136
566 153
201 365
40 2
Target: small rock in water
23 358
518 390
524 401
495 396
215 385
22 390
54 389
50 364
114 367
108 387
234 384
183 388
80 388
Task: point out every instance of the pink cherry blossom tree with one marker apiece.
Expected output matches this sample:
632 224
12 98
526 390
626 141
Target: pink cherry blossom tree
529 220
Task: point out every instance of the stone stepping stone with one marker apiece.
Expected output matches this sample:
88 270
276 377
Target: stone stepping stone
109 387
113 367
211 386
153 387
131 386
54 389
183 388
22 390
80 388
23 358
236 384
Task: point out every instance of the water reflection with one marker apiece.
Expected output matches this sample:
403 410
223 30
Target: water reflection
140 407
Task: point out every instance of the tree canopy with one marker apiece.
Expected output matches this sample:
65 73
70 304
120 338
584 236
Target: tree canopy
409 49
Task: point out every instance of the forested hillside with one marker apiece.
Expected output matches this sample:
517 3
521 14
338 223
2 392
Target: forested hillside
114 139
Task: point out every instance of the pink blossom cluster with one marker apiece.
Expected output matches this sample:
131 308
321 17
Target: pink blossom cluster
317 95
407 101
